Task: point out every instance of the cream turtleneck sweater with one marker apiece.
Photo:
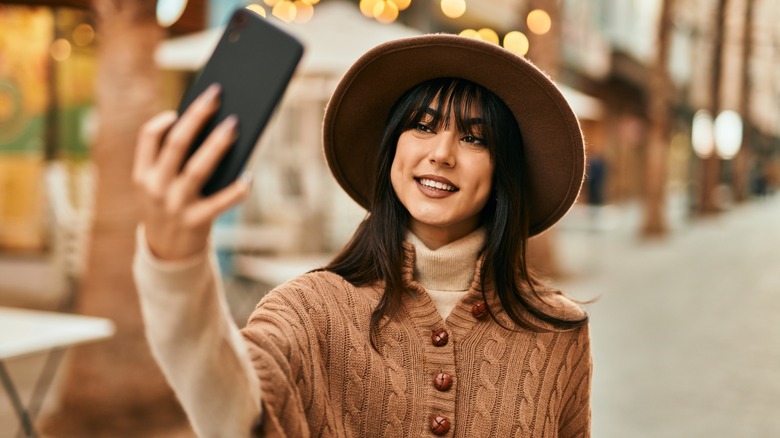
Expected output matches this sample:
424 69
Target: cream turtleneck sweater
447 272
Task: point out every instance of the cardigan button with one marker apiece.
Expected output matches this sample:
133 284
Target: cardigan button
440 425
442 381
479 310
439 337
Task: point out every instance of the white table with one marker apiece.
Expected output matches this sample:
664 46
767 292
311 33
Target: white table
24 332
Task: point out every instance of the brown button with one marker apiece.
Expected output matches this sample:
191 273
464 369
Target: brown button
440 425
439 337
479 310
442 381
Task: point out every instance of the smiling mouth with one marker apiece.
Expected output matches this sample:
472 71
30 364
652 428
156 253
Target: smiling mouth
436 185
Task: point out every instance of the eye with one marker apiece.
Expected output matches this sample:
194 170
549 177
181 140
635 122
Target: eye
473 140
422 127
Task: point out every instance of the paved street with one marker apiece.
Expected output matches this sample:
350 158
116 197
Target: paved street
686 337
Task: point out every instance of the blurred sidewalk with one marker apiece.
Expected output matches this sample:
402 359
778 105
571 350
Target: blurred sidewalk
684 333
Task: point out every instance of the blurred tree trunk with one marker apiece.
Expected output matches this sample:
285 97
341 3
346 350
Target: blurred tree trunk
657 151
711 166
114 388
742 160
545 52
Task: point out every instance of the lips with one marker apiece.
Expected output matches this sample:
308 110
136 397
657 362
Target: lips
436 183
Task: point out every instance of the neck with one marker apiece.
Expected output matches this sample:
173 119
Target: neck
435 237
450 267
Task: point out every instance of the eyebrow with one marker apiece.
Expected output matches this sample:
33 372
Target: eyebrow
437 115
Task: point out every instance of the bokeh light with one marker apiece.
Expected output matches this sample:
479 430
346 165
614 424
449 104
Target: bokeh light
60 49
488 35
285 11
271 3
702 136
257 9
402 4
470 33
83 35
453 8
386 11
539 22
304 11
727 130
367 7
516 42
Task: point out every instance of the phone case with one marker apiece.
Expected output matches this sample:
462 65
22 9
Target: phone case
253 62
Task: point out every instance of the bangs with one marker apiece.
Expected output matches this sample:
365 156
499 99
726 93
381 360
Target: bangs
439 102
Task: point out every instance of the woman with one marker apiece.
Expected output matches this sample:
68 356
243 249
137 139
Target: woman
428 322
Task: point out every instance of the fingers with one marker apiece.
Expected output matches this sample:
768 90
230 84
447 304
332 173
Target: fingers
206 210
183 133
202 164
149 138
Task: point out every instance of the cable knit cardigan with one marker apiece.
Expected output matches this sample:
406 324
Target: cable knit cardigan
320 377
308 342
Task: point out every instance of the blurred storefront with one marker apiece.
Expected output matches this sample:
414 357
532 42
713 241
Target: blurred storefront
47 69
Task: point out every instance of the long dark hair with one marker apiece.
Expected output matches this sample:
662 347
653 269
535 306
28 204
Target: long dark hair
375 252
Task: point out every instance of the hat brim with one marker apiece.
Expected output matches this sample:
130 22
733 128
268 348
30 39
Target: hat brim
355 118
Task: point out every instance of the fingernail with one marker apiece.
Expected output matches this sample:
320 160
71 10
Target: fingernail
211 92
230 121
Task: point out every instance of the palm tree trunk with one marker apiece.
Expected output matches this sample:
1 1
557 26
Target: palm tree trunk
114 388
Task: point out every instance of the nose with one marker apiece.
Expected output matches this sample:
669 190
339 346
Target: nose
442 152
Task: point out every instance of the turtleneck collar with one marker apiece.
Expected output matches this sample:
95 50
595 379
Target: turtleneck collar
449 268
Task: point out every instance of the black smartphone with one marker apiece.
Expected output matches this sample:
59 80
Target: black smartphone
253 62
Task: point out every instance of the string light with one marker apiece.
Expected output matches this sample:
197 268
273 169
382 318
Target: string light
539 22
453 8
367 7
516 42
488 35
257 9
304 11
385 11
285 10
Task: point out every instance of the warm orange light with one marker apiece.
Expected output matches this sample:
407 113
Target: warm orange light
367 7
386 11
470 33
257 9
516 42
83 34
488 35
402 4
60 49
453 8
304 11
311 2
271 3
539 22
285 11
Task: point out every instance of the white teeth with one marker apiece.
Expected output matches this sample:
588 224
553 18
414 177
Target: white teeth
436 185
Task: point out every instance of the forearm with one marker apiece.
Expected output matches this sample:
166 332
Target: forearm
196 343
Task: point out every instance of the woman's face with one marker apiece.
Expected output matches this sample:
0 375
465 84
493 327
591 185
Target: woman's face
443 177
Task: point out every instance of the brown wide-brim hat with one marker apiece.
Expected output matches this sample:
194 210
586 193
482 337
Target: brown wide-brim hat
356 116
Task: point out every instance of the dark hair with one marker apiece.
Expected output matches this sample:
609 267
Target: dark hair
375 252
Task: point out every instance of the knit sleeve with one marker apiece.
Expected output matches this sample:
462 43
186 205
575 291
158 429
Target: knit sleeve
284 336
574 421
196 343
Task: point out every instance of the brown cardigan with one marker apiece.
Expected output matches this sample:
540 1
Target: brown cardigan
319 375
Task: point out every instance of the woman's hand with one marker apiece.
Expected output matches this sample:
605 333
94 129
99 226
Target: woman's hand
176 217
